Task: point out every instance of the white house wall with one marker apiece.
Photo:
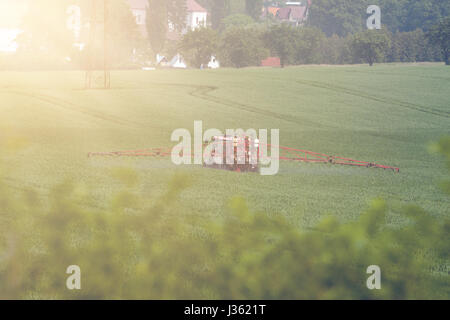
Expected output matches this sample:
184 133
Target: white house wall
196 20
140 16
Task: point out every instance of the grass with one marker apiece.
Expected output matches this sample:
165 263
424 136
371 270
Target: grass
387 114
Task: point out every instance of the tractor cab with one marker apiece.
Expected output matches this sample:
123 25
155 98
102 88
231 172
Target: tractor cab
244 155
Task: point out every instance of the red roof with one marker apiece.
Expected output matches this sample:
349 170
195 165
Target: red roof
294 13
273 10
193 6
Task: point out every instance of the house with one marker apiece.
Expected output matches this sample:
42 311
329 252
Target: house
295 13
11 14
272 11
196 17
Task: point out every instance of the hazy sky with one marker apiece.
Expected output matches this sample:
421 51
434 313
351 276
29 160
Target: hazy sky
11 12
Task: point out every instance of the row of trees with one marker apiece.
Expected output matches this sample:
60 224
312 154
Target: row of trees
48 43
237 40
344 17
246 45
220 9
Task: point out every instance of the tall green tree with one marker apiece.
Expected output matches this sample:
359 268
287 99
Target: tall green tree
46 33
281 41
161 14
176 14
309 45
440 35
370 46
219 10
343 17
242 47
198 46
253 8
236 20
46 37
156 24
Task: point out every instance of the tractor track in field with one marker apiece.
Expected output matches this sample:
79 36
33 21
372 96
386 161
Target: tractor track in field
361 94
67 105
203 92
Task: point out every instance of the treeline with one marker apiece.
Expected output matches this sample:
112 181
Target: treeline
335 33
413 31
344 17
47 42
246 45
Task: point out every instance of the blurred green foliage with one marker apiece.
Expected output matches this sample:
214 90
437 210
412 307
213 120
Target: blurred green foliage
162 252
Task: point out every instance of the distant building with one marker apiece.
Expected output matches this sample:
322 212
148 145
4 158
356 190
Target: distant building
295 13
11 15
271 11
196 17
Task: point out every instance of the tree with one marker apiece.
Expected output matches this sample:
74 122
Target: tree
236 20
176 14
158 14
370 45
156 24
48 39
341 17
46 35
198 46
253 8
281 41
309 45
440 35
123 35
242 47
219 10
423 13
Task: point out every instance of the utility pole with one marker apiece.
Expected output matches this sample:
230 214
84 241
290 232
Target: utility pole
98 23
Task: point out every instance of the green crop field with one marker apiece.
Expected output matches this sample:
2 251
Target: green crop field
387 114
142 227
